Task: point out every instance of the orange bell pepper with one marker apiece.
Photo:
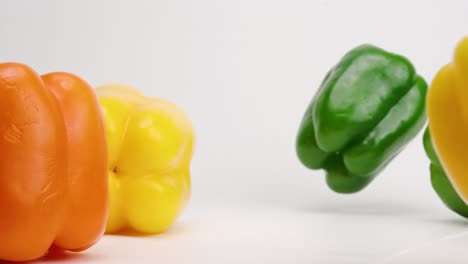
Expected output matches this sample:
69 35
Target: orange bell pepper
53 164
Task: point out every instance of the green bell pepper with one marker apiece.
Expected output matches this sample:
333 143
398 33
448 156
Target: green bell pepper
440 182
367 108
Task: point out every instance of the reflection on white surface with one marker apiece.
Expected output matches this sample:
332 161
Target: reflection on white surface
255 235
449 249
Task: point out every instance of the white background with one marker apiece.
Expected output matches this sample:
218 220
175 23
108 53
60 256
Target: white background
244 71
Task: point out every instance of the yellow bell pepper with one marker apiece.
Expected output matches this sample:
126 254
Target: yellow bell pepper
150 144
447 110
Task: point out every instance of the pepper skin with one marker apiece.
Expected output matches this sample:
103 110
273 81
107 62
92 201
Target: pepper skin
150 144
440 182
447 112
368 107
53 184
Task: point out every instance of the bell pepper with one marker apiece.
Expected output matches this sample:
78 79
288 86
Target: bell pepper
53 164
150 144
446 138
366 110
440 182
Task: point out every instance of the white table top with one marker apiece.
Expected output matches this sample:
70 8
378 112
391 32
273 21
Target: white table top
363 234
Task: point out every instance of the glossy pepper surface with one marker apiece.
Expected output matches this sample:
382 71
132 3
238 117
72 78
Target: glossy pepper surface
440 182
53 159
150 145
447 110
367 108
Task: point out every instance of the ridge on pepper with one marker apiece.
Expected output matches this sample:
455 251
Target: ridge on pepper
366 110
